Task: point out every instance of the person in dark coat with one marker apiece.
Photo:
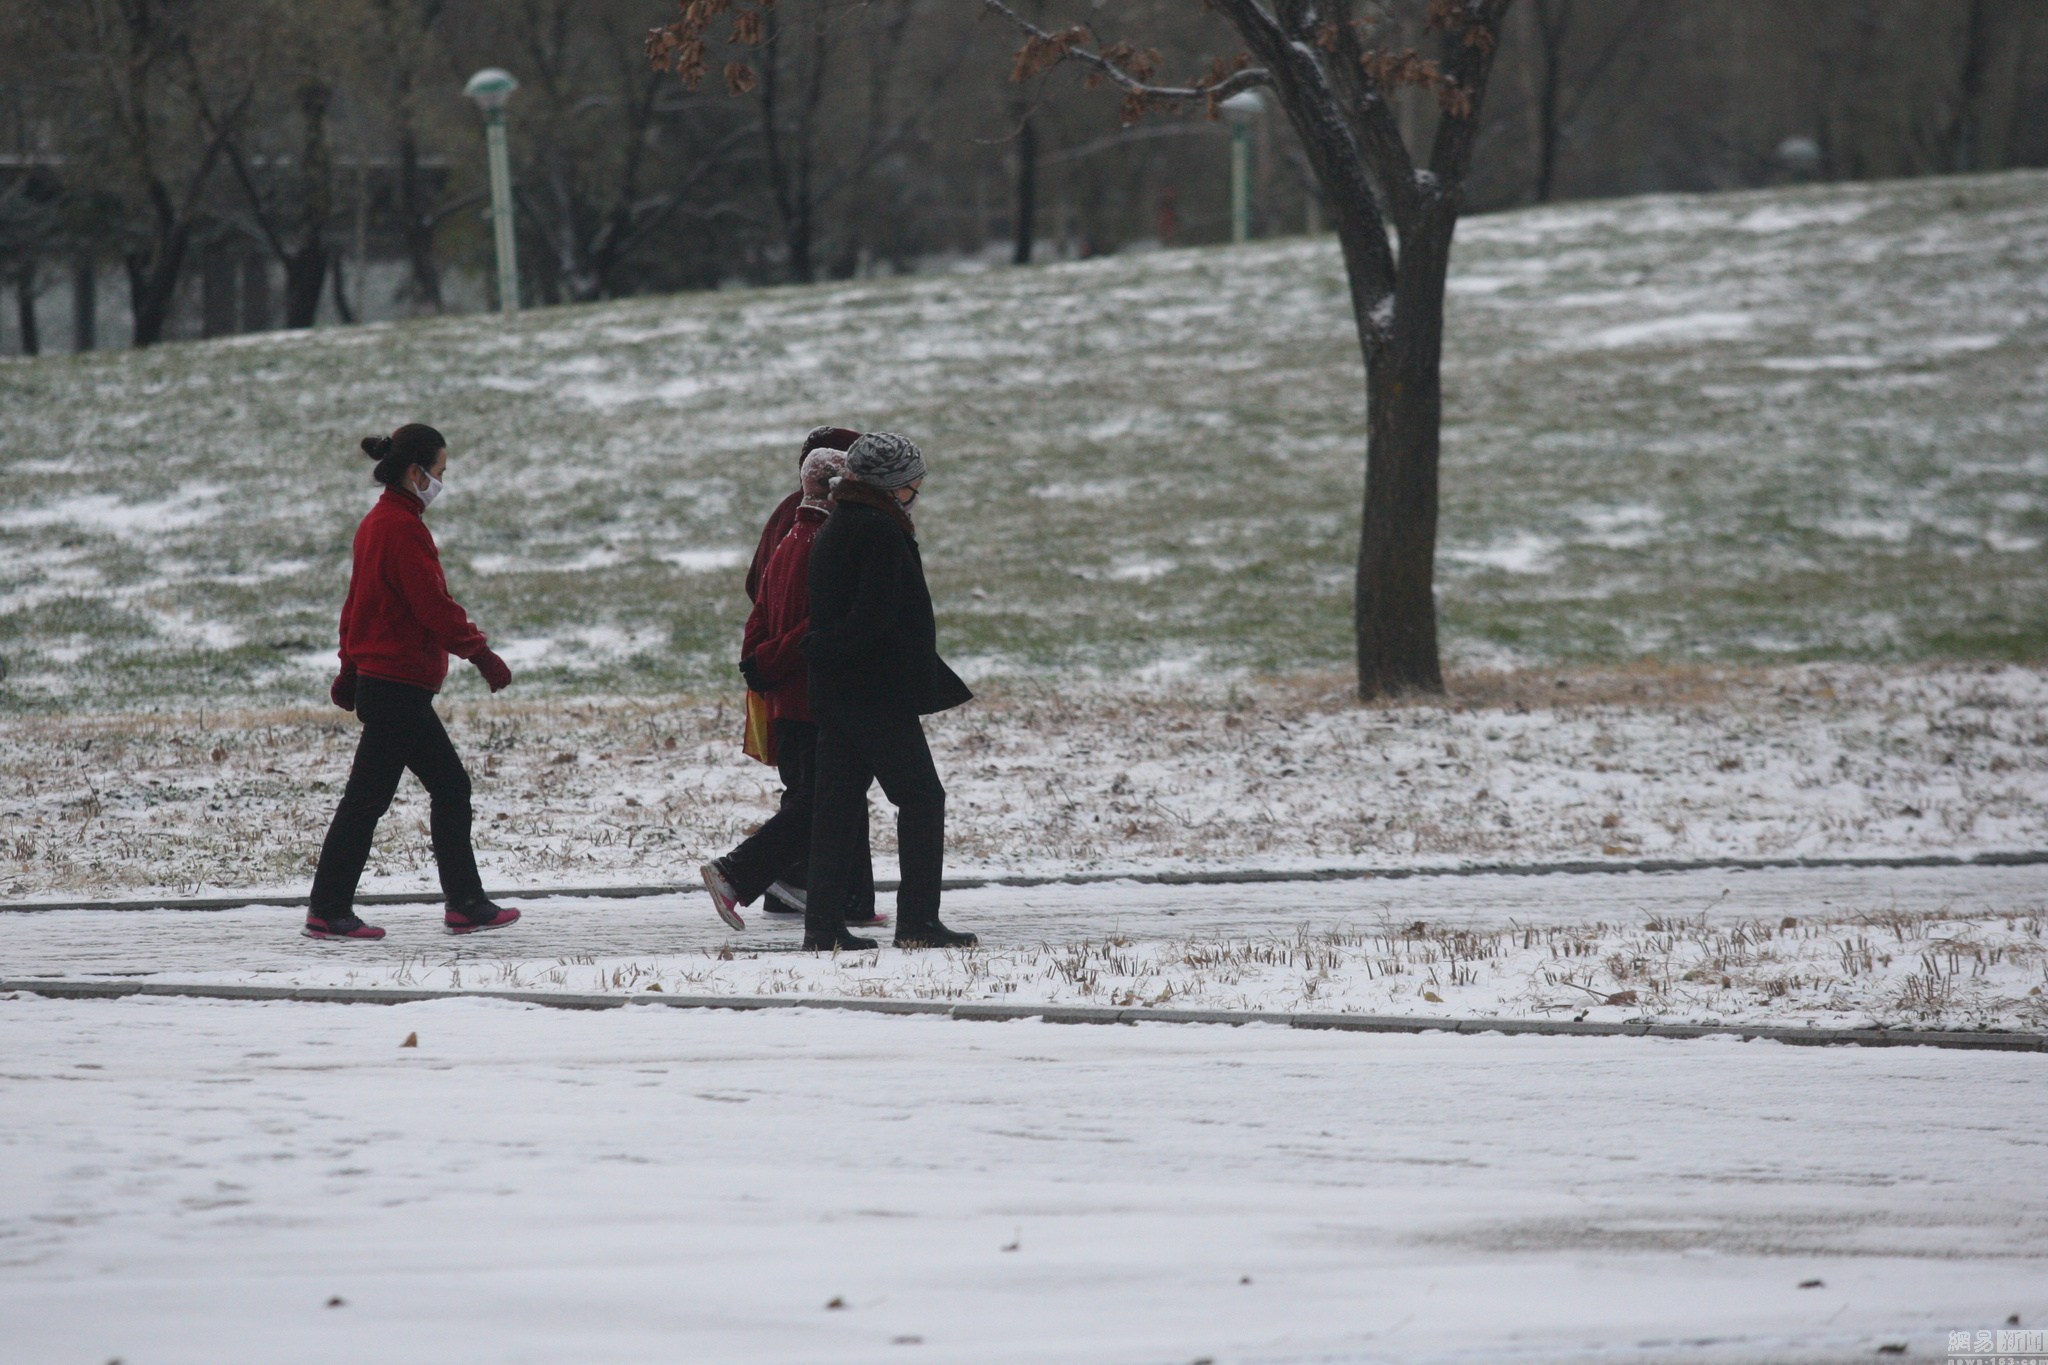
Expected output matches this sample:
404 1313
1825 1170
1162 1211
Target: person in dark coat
874 670
398 627
772 660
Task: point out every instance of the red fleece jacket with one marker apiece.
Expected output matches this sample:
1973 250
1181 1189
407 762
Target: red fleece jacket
779 522
781 619
399 623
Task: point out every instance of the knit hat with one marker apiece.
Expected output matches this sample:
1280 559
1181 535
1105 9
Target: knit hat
821 467
882 459
827 438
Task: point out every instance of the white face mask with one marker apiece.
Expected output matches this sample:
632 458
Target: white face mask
427 495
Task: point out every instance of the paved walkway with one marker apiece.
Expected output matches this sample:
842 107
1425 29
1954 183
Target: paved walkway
222 944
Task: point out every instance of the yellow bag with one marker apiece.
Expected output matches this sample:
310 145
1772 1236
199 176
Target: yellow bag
760 738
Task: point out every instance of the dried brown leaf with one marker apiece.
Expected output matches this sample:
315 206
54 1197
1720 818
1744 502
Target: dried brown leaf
1040 54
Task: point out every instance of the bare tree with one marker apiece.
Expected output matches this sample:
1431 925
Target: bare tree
30 215
284 164
831 106
613 155
837 94
1563 88
141 69
405 40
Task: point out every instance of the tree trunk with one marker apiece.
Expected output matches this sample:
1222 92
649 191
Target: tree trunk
1027 190
1963 135
1395 598
85 304
25 308
153 285
305 268
305 278
798 237
217 290
1401 337
425 284
1550 25
343 309
1548 133
255 292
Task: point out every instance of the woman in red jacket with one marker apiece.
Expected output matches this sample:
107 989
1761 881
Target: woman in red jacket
773 663
398 627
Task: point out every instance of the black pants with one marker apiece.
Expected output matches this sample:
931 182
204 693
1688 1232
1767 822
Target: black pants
400 731
780 850
854 752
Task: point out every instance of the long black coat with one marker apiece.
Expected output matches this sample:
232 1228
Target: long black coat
873 644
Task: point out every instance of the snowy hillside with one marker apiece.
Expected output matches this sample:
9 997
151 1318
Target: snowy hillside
1794 424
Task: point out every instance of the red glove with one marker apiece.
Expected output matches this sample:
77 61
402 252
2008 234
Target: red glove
493 668
342 691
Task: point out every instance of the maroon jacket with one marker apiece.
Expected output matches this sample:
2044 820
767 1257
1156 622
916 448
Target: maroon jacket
779 522
781 619
399 623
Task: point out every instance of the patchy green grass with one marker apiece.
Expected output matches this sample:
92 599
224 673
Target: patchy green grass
1800 424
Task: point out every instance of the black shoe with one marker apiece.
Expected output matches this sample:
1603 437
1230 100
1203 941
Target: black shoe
834 939
934 935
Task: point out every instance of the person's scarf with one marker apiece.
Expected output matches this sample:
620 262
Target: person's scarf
847 490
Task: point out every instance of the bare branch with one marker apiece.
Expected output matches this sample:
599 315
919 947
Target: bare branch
1250 78
1372 116
1590 79
1471 30
1330 140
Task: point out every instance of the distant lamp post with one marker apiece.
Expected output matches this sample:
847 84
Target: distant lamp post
1800 156
1243 111
491 88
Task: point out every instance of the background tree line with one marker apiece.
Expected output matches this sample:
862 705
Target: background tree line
176 168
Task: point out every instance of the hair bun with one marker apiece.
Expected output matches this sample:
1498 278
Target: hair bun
376 447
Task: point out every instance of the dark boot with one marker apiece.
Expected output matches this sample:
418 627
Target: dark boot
933 935
834 938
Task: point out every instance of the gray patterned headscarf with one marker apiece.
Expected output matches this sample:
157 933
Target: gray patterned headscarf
882 459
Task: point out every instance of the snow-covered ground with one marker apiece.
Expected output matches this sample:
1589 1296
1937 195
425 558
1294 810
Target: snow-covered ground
1946 948
1791 424
205 1183
1568 765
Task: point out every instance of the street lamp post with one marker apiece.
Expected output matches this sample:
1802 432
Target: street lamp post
1243 111
491 88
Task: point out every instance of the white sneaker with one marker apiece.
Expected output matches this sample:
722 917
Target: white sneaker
789 895
724 899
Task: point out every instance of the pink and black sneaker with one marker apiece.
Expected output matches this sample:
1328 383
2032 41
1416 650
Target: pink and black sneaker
477 916
725 897
339 926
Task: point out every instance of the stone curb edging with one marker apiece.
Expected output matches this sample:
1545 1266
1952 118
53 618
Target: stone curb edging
65 989
1239 877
